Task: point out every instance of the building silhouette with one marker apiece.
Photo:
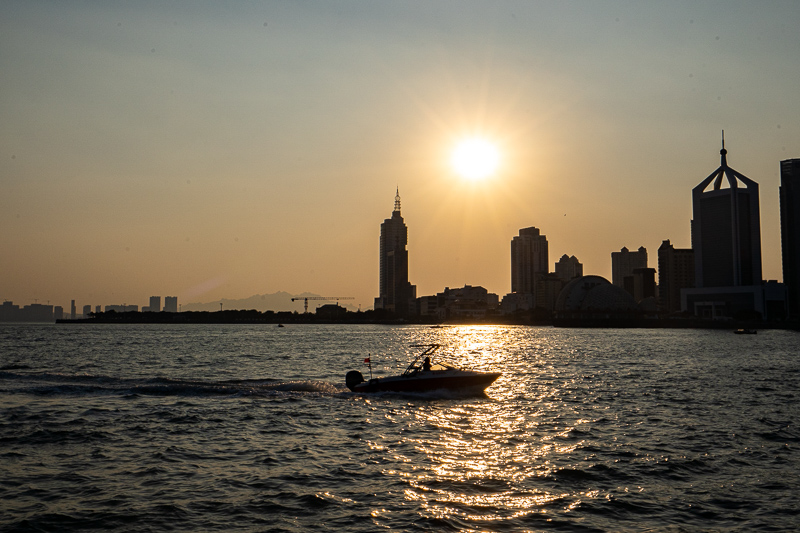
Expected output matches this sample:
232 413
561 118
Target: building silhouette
642 284
624 262
170 304
726 239
155 304
675 272
34 312
465 302
397 295
726 229
790 232
568 268
529 260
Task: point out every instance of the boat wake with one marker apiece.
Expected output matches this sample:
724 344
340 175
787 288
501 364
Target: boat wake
57 384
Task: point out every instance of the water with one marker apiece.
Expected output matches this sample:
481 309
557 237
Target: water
250 428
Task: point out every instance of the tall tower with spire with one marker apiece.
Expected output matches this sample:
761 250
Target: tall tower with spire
726 229
396 293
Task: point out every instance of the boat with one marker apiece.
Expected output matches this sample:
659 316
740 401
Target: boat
423 375
745 331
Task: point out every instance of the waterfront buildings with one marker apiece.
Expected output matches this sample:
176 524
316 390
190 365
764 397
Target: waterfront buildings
170 304
624 262
726 239
726 229
529 260
790 232
465 302
568 268
36 312
397 295
675 272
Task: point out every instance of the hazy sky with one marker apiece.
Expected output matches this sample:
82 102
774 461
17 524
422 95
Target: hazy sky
223 149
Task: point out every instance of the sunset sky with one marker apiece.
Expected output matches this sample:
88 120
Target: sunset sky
215 150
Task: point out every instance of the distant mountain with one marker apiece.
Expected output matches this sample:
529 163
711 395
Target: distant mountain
278 301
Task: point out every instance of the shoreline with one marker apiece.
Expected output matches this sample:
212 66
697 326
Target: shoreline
369 317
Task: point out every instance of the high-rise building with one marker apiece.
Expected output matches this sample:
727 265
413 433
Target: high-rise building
675 272
624 262
790 231
396 293
529 260
568 268
170 304
155 304
726 239
726 229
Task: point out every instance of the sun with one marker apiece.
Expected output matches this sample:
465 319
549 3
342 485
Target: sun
475 159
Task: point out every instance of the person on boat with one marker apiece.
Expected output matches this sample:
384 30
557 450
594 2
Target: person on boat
426 364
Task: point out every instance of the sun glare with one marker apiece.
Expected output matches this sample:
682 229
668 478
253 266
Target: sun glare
475 159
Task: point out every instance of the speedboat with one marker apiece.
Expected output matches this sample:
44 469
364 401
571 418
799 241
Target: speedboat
423 375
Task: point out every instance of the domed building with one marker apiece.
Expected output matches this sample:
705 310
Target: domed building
593 299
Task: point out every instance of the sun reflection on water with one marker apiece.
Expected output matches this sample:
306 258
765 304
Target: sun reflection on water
498 457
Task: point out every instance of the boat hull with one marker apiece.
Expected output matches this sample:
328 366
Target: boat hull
458 381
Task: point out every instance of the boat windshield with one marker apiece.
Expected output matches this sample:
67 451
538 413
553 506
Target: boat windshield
416 365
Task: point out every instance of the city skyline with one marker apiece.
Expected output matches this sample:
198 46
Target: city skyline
220 153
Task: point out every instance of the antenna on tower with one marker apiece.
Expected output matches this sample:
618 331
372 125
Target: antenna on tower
397 200
723 152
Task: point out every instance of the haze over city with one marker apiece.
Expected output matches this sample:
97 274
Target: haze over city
209 151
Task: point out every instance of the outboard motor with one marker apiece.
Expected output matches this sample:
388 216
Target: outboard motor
353 378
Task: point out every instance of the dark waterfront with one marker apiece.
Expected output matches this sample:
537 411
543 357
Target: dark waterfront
137 427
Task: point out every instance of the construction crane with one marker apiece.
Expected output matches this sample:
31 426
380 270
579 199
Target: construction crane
330 299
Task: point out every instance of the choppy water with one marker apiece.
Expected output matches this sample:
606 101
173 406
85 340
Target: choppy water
220 428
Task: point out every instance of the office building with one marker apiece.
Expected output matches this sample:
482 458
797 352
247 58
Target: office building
624 262
170 304
726 239
790 232
675 272
155 304
397 295
529 260
726 229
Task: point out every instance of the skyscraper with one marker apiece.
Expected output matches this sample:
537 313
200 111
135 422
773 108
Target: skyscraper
726 239
726 229
790 231
529 260
624 262
396 293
